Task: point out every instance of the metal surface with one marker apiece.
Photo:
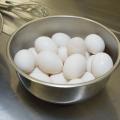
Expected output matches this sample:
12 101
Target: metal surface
16 103
24 38
26 11
1 23
17 13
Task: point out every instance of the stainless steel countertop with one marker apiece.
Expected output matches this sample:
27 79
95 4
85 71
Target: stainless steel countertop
18 104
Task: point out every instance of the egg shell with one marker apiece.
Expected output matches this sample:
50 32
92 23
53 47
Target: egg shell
94 43
101 64
87 77
74 66
24 60
76 45
45 43
38 74
63 53
75 81
61 39
87 55
89 63
34 53
58 79
49 62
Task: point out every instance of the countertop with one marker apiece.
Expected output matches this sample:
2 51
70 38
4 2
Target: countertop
16 103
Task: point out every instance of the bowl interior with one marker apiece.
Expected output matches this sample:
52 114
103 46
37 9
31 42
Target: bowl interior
73 26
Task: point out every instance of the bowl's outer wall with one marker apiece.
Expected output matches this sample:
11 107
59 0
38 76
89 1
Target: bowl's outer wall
63 95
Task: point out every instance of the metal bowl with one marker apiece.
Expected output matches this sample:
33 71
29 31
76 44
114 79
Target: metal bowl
73 26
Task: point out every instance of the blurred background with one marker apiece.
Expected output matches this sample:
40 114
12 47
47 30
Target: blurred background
104 11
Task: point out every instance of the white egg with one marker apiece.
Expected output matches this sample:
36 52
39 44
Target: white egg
24 60
34 53
76 45
89 63
94 43
38 74
87 55
87 77
101 64
63 53
58 79
49 62
74 81
45 43
74 66
61 39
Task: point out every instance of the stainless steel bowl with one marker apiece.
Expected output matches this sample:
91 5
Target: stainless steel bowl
73 26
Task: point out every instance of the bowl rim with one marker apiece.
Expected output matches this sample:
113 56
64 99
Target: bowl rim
63 85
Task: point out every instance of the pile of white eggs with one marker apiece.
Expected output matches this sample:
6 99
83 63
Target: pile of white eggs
65 60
